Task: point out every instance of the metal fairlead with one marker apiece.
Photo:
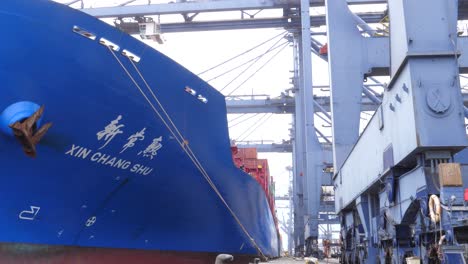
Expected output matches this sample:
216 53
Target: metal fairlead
28 134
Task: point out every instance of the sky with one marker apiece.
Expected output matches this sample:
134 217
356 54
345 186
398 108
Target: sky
198 51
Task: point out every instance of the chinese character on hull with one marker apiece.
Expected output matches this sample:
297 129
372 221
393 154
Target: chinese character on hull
152 149
110 131
133 139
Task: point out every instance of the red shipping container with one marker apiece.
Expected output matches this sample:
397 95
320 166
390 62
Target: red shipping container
246 159
234 150
242 152
239 153
251 164
250 153
265 175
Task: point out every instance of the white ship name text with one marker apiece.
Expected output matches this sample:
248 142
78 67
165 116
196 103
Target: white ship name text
107 160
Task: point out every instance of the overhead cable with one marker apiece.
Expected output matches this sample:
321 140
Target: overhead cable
251 126
255 127
259 69
258 125
251 65
243 64
242 121
243 53
234 119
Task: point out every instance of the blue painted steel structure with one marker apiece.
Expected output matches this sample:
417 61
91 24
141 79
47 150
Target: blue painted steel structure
389 178
309 158
110 173
372 59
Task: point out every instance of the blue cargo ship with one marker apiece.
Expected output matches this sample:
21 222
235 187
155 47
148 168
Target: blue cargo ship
111 152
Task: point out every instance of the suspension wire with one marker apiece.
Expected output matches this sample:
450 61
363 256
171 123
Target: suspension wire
259 69
250 66
184 145
242 121
256 127
250 127
283 33
245 63
259 125
234 119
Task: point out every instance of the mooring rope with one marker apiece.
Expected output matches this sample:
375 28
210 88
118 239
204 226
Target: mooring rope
182 142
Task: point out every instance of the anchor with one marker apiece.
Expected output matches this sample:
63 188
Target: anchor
28 134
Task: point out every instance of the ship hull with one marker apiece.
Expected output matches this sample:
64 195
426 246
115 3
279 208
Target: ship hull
133 160
35 254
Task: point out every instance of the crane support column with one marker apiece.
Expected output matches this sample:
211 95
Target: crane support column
346 75
308 150
399 192
313 149
298 159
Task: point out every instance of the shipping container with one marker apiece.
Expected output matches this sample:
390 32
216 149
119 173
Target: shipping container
247 160
250 153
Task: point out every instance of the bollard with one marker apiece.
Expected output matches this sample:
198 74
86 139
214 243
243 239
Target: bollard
223 258
256 261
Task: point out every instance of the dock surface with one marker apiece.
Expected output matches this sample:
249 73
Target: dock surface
297 261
